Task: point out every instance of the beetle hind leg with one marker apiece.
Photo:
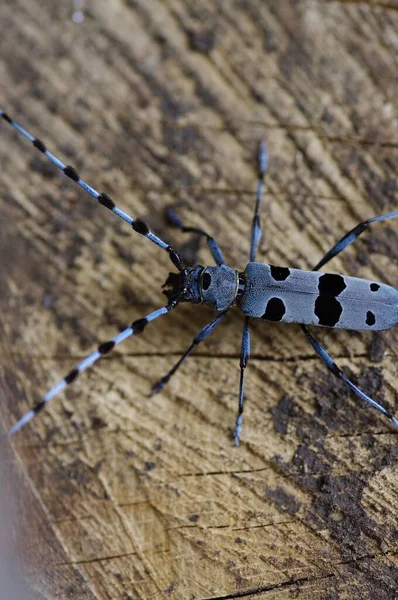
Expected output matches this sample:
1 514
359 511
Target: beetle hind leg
332 366
351 236
262 164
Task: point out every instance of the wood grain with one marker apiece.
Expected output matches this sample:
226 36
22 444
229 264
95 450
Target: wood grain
158 103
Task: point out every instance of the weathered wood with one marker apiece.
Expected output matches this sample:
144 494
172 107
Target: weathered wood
162 103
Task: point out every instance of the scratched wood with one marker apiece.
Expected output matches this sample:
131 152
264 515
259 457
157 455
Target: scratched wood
121 496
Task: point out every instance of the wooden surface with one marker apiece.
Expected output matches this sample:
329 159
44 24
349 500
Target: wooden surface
121 496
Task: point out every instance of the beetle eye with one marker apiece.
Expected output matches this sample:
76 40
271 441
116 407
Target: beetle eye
206 281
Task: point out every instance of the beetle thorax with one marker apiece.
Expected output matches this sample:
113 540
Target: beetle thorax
219 286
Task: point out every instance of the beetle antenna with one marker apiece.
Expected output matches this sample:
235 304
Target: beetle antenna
104 348
103 198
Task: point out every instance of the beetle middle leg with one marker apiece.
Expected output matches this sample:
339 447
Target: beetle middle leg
351 236
332 366
262 163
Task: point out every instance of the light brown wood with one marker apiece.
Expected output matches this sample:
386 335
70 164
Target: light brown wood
161 103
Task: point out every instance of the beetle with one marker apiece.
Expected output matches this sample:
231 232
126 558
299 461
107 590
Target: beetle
269 292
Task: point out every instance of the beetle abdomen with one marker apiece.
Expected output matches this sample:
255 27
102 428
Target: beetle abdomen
313 298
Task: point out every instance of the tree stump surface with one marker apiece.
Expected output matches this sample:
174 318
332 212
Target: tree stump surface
121 496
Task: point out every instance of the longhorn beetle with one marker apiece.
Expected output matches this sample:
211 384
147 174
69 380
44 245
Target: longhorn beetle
261 290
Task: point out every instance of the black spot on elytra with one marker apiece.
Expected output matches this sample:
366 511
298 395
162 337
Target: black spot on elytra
279 273
328 310
374 287
370 318
331 285
275 310
206 281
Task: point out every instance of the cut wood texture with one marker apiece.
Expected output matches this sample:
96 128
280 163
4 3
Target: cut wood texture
121 496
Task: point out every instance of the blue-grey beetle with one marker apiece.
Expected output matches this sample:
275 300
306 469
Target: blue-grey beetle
260 291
